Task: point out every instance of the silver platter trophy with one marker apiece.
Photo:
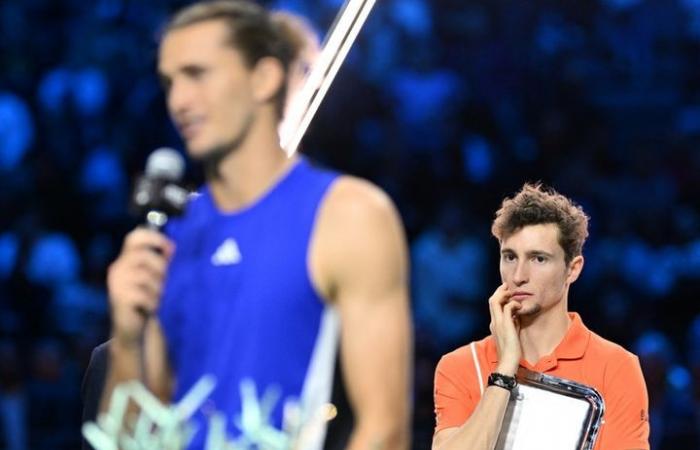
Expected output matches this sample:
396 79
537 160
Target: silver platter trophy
550 413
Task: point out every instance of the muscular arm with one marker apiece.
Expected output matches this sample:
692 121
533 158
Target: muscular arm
362 267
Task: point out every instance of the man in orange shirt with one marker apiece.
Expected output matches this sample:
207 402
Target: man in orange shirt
541 235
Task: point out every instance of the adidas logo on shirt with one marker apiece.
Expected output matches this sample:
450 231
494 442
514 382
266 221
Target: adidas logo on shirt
227 254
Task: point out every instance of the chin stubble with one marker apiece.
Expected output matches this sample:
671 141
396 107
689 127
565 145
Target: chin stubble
211 160
536 308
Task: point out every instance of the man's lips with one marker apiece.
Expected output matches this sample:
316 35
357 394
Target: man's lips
189 128
520 295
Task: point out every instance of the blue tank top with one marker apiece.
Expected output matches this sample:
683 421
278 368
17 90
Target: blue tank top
239 303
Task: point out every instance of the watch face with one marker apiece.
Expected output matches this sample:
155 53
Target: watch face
503 381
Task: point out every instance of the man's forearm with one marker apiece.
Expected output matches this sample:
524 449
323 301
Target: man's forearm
124 365
380 435
481 431
145 362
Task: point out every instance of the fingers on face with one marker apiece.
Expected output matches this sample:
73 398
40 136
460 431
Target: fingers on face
496 302
511 308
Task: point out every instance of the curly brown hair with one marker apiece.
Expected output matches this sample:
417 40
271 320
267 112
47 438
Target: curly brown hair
535 205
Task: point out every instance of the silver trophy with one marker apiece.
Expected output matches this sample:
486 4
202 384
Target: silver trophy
550 413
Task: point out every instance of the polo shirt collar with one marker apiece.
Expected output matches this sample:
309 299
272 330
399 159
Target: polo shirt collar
573 346
575 342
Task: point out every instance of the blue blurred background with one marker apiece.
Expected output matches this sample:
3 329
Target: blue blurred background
449 105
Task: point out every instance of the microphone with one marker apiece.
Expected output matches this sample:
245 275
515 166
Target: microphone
157 194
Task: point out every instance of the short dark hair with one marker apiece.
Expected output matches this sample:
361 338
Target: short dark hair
252 31
535 205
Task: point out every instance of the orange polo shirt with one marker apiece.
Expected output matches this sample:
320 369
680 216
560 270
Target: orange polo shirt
581 356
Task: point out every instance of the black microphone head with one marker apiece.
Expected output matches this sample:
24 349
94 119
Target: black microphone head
158 191
165 164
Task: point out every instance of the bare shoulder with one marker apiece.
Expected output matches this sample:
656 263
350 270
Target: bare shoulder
356 209
357 198
357 229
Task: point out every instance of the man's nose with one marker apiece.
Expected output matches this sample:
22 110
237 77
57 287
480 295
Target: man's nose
179 97
521 274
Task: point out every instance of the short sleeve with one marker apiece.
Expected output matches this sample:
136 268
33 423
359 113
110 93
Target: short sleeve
626 407
454 403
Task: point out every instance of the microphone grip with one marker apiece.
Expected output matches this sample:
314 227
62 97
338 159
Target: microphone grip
155 220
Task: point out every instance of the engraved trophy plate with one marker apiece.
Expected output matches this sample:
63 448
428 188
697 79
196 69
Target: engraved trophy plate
550 413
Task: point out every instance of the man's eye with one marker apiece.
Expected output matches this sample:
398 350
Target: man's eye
195 73
509 258
540 258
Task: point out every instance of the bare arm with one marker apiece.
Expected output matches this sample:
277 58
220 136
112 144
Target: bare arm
362 247
134 283
480 431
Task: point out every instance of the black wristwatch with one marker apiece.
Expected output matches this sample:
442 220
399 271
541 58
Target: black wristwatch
502 381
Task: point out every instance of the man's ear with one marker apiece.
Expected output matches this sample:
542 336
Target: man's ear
574 269
267 79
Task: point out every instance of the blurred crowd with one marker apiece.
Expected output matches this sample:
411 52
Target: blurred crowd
449 105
